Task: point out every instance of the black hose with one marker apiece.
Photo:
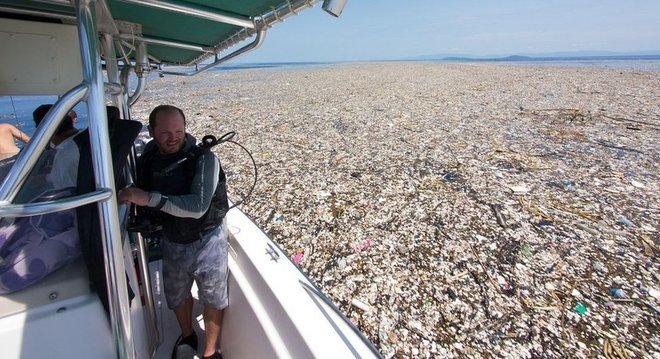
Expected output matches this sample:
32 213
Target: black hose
254 163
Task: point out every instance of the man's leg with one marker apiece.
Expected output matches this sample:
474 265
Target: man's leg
212 283
213 328
183 315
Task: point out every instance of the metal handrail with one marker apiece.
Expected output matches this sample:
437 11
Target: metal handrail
143 262
250 28
142 70
27 158
50 14
118 299
154 41
123 100
262 22
258 40
62 204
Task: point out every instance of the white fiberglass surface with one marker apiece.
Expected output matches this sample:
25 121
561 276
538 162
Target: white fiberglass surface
270 313
307 326
73 328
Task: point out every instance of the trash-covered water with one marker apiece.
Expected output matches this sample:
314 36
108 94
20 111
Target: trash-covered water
455 210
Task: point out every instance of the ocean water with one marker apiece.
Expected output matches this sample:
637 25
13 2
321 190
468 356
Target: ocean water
17 110
641 63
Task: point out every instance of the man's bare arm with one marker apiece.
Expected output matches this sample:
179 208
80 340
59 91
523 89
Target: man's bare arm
19 135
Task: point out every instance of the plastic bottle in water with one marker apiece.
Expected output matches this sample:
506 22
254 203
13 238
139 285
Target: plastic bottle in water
618 293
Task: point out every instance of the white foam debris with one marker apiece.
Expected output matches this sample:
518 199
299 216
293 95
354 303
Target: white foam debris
361 305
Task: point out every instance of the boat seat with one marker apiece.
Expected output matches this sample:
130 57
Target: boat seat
57 317
75 279
122 136
67 282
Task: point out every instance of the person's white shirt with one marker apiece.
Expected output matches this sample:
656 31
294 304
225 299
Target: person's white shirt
57 168
64 172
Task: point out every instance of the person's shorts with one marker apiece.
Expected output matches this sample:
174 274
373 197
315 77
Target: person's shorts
204 261
6 164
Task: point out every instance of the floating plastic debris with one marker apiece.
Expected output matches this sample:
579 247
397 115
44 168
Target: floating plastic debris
519 190
361 305
297 258
637 184
341 263
625 221
599 267
618 293
363 246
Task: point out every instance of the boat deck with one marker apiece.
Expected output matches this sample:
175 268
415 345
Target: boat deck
168 328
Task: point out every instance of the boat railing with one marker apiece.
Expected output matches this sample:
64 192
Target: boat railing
91 91
46 207
29 156
103 173
143 265
317 294
250 27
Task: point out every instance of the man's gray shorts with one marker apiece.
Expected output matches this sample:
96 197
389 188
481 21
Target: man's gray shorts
204 261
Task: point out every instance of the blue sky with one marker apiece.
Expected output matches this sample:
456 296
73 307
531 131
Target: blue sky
389 29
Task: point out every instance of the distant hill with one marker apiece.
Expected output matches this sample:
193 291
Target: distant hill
515 58
507 58
584 55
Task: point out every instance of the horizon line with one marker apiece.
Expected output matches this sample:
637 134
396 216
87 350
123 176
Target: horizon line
548 56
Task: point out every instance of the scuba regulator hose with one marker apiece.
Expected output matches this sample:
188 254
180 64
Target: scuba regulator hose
209 141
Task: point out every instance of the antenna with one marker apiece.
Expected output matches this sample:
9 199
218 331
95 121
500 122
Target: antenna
334 7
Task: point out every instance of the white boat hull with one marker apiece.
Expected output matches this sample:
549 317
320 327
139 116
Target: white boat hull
273 309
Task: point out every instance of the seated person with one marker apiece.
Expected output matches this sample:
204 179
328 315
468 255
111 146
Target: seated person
74 116
64 167
8 134
66 129
57 167
33 247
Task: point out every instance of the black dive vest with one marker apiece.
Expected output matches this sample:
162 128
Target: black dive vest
157 173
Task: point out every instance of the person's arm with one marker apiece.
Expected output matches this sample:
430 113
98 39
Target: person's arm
19 135
197 202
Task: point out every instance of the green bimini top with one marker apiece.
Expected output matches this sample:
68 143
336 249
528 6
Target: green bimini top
177 32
